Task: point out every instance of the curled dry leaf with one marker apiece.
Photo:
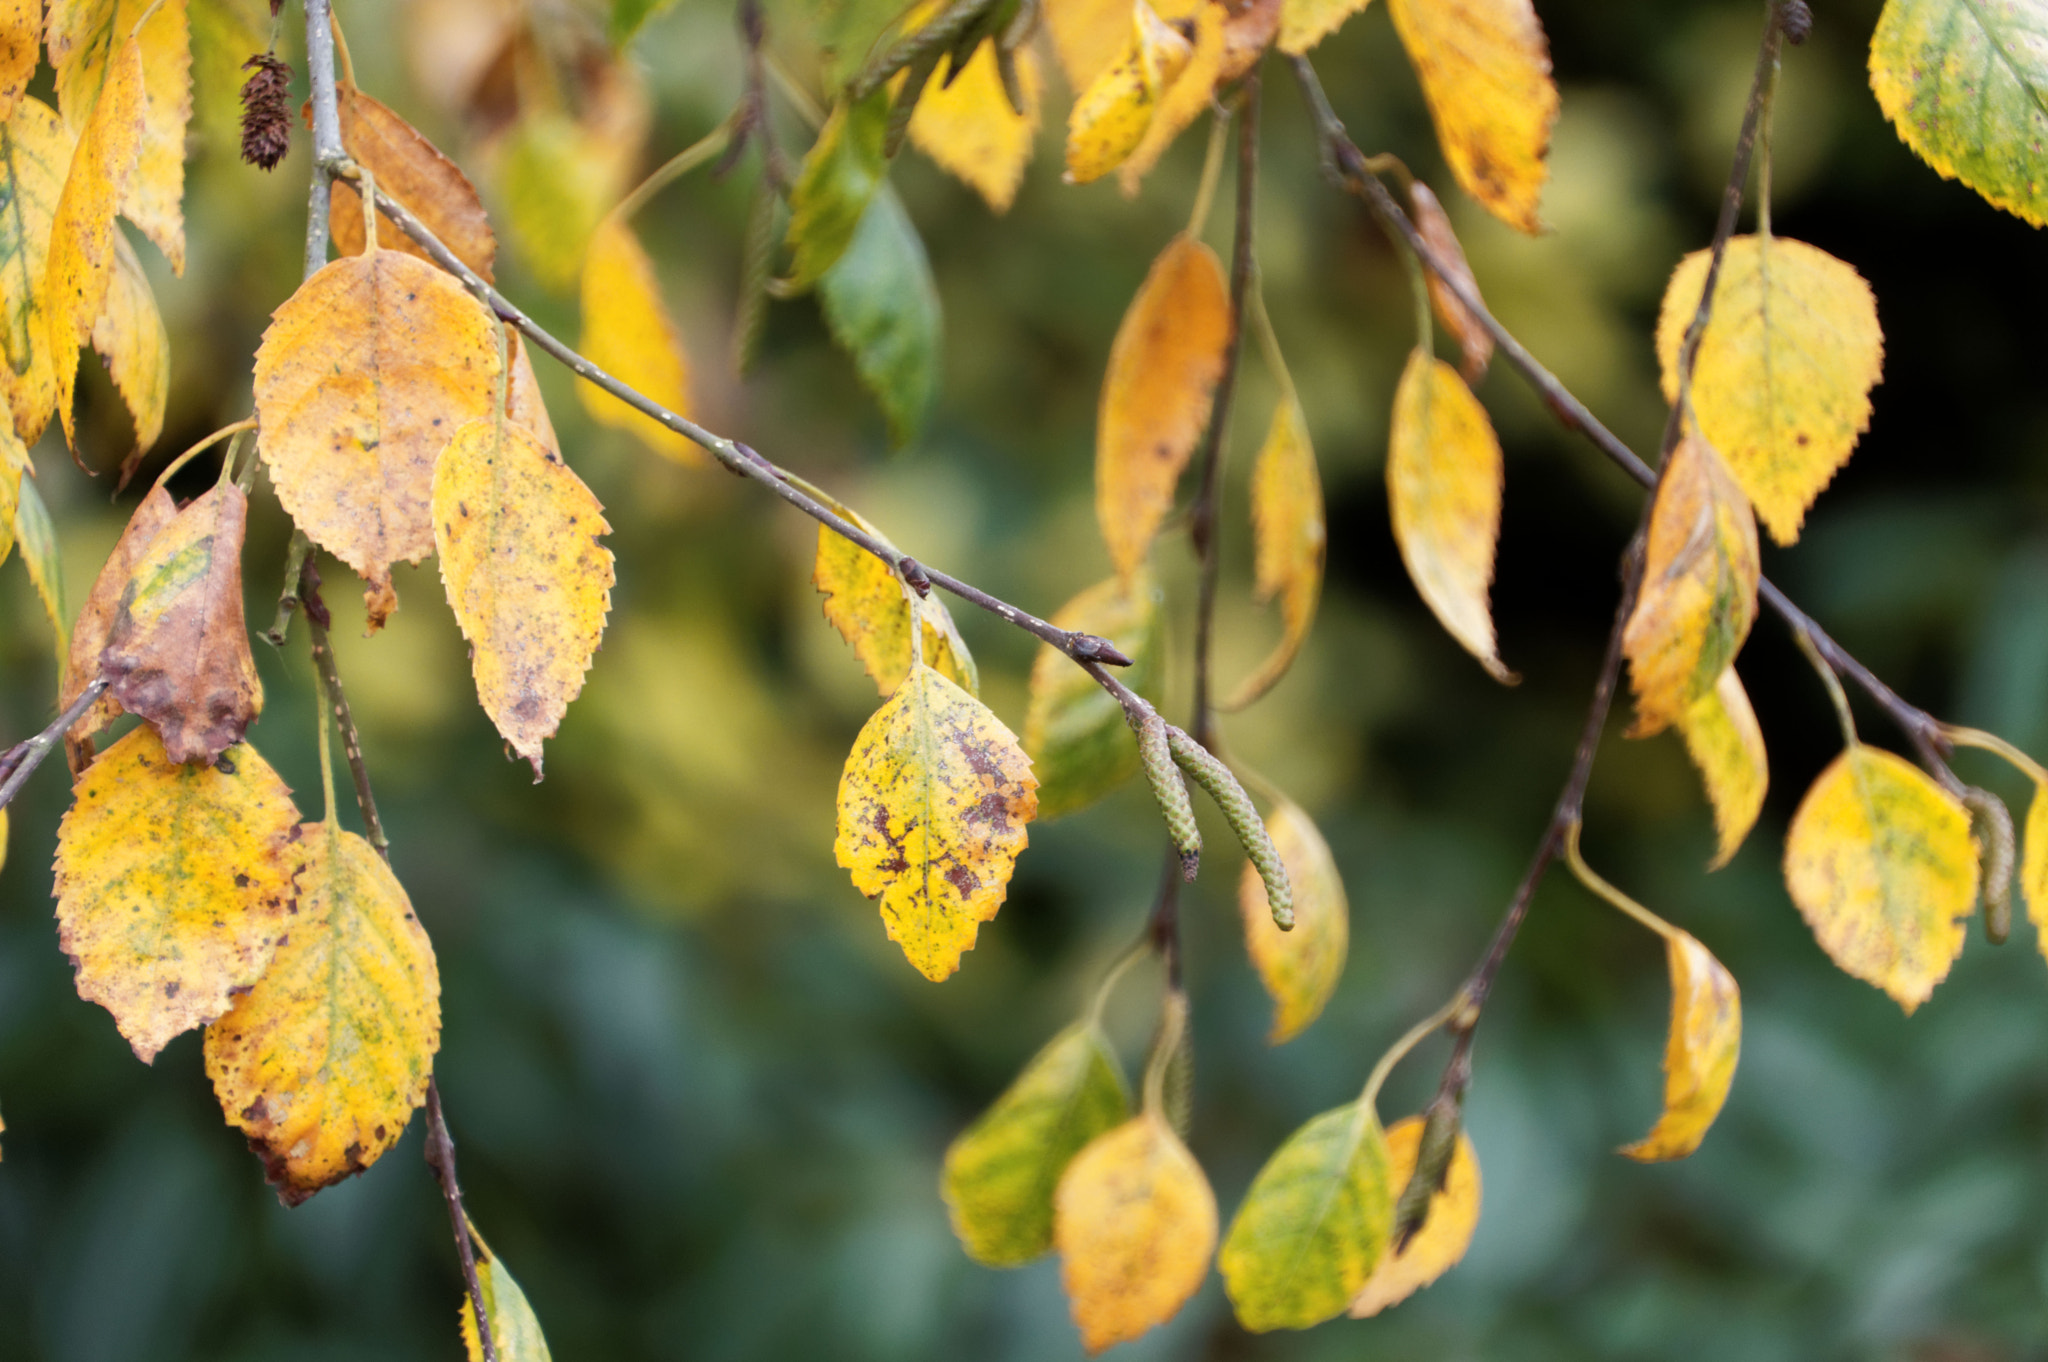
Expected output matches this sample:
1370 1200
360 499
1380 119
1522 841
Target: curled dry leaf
1435 225
514 1328
1135 1223
1700 1053
1881 863
322 1063
628 333
1781 385
1183 99
173 885
530 584
1289 538
130 336
864 601
413 171
1437 1247
1001 1172
1725 742
1698 594
1074 730
35 155
966 124
1163 368
1300 968
1112 113
84 35
96 619
932 812
1444 489
1485 70
1248 31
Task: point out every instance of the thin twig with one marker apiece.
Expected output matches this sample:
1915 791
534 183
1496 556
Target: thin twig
19 762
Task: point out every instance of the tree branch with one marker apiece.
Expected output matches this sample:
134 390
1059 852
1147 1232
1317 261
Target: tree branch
20 761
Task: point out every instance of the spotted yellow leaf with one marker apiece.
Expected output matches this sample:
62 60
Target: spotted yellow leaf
21 35
1288 538
1700 1053
86 39
1444 489
1781 385
628 333
1725 742
1075 732
514 1328
1110 116
1300 968
130 336
1184 98
1437 1247
173 885
1882 865
322 1063
969 128
865 602
932 812
35 156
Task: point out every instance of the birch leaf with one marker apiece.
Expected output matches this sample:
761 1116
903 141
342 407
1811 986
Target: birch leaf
38 540
882 306
628 333
1881 863
1445 1235
1698 594
1300 968
1965 82
1135 1223
1163 370
81 258
362 378
10 501
1304 23
412 170
1444 489
556 180
524 405
1087 35
86 41
1725 742
1435 225
932 812
1700 1054
173 885
1183 99
89 636
1001 1172
322 1063
2034 866
1313 1225
35 156
1110 116
517 533
1781 385
514 1328
130 336
21 36
968 127
1485 70
864 601
1080 745
178 649
840 175
1288 537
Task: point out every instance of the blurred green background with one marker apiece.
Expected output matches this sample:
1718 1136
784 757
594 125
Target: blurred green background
700 1100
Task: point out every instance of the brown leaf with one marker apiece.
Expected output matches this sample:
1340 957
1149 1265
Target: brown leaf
89 636
1435 225
413 171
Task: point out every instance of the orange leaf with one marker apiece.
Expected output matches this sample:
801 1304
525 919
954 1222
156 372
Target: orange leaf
1435 225
413 171
1445 1235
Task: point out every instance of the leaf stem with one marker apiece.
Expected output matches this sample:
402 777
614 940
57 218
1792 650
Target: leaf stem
1991 742
1173 1020
1398 1051
1593 881
196 450
705 148
1212 171
1836 696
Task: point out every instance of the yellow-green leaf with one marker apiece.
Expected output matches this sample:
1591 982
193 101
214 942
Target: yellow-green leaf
969 128
1288 539
1698 594
323 1061
1001 1172
86 38
1444 489
131 338
628 333
1699 1055
38 540
173 885
1437 1247
1111 115
557 175
1080 744
864 601
1313 1225
1725 742
1485 69
932 812
1135 1223
514 1328
1163 369
517 533
1882 865
35 156
1300 968
2034 866
1782 382
840 175
1965 82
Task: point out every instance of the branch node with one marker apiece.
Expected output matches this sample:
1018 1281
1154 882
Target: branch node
914 576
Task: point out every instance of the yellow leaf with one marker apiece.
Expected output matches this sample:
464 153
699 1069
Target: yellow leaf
1184 99
1435 225
173 885
1075 732
1111 115
1163 369
864 601
969 128
81 259
89 636
21 35
1882 865
1300 968
524 404
1135 1223
413 171
1313 1224
323 1061
1001 1172
1698 593
1722 735
1444 489
628 333
1304 23
932 808
1700 1054
517 533
130 337
361 379
514 1329
84 35
1781 386
10 501
1088 35
1441 1242
1485 69
1288 538
35 155
2034 866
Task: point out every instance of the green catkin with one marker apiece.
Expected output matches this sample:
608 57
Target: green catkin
1213 776
1171 792
1991 821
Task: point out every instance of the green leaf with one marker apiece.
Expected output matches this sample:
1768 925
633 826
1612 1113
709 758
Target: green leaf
883 309
1966 84
838 180
629 15
1313 1225
513 1326
1080 746
38 540
1001 1172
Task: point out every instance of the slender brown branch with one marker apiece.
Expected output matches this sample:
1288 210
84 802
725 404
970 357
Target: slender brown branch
20 761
